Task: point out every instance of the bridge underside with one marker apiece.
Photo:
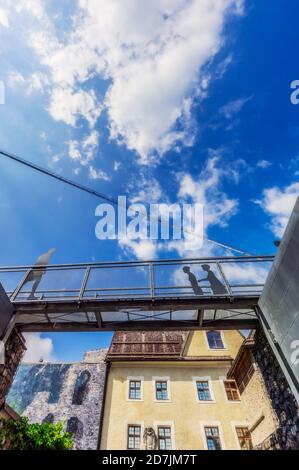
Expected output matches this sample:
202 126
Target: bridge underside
142 314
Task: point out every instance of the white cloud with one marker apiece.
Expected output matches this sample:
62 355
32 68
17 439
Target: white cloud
96 174
146 189
37 82
206 190
278 204
15 79
232 108
4 18
67 106
142 249
218 207
35 7
263 164
84 151
251 273
116 165
153 53
37 348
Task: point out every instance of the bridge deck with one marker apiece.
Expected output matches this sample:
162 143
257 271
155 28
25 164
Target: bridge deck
190 293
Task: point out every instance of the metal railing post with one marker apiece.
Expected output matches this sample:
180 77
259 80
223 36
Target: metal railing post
226 283
152 280
20 285
84 282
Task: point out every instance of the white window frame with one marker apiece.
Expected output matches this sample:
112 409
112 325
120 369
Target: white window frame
234 425
162 379
135 378
133 422
218 424
222 380
222 338
169 424
204 379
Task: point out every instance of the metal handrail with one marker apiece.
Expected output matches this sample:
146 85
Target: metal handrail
149 290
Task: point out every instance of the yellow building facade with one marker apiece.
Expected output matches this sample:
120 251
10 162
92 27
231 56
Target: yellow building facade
169 390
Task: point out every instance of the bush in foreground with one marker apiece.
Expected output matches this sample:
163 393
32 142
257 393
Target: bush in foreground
22 435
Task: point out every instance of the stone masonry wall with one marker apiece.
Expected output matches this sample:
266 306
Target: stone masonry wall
255 393
14 351
51 389
282 400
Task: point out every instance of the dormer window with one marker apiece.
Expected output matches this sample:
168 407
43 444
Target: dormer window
215 340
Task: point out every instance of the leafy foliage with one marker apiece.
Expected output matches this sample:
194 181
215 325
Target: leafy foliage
21 435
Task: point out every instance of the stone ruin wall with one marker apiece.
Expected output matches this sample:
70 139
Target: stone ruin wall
85 416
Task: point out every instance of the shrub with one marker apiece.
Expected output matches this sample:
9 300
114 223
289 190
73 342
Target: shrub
22 435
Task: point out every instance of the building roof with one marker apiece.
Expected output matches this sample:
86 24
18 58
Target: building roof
147 344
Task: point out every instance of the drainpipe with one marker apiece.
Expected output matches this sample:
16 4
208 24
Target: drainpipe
108 366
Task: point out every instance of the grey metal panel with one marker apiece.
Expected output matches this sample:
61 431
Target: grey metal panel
279 301
6 311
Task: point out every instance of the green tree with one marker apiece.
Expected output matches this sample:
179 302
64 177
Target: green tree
21 435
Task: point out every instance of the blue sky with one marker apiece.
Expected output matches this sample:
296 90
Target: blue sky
181 100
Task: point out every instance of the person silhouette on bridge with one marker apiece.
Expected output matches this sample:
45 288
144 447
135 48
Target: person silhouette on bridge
37 274
216 286
193 281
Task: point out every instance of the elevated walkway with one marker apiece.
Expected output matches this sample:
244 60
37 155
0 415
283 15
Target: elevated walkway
186 294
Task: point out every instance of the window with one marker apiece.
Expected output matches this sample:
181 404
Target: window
215 340
161 390
164 437
81 388
135 390
244 437
231 389
75 427
134 434
212 436
49 418
203 390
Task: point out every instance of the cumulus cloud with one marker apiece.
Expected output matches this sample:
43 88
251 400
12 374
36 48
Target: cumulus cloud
15 79
151 53
68 106
142 249
95 174
251 273
206 190
278 204
84 151
38 348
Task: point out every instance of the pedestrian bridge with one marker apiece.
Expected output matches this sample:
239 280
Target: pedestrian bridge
187 293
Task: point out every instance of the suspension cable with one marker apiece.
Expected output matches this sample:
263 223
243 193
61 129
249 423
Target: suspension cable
93 192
